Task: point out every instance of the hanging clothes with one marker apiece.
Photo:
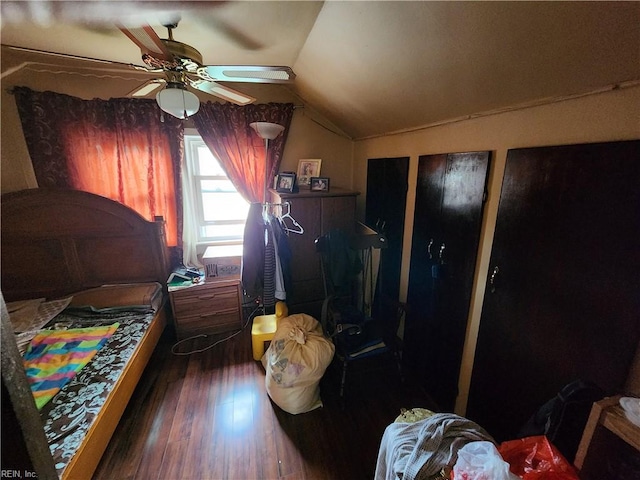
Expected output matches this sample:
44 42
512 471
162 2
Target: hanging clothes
281 291
284 259
269 290
252 270
266 258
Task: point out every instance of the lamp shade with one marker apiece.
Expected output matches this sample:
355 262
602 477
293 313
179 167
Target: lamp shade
267 130
176 100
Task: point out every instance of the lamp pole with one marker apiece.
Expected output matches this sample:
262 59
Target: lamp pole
268 131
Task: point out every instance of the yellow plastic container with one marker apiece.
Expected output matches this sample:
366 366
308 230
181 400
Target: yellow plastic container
264 328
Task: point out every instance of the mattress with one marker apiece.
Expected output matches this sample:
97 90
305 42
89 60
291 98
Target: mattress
71 412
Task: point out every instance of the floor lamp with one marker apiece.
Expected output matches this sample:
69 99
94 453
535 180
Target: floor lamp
268 131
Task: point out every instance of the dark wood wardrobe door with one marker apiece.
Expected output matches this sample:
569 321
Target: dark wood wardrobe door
385 212
449 207
562 296
420 324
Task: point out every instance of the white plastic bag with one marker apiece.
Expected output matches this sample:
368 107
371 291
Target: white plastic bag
295 362
481 461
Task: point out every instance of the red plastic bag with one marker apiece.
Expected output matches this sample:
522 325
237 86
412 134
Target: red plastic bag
535 458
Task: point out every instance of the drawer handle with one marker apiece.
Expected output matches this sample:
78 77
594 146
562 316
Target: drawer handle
207 297
219 312
216 295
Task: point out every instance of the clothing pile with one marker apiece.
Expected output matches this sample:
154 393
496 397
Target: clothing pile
420 450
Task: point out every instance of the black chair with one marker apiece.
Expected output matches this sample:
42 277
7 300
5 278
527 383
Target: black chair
348 313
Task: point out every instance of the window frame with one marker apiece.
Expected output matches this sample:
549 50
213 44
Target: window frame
192 142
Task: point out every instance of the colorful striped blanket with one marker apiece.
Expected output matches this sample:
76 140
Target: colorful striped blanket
55 356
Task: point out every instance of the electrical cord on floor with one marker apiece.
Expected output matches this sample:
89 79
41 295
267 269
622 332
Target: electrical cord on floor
218 342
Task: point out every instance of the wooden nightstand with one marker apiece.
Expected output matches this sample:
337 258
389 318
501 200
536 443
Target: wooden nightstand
607 435
214 306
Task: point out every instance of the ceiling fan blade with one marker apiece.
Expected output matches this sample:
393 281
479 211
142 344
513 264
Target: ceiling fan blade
246 73
148 40
62 55
147 87
97 11
114 63
222 91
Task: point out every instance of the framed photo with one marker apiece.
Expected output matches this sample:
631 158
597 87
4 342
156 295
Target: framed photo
276 176
286 182
319 184
307 168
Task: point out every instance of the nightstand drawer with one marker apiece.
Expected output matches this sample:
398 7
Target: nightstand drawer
205 300
208 323
210 308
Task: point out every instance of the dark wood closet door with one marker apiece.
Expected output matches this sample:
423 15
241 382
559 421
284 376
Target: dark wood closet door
385 212
420 324
562 296
449 206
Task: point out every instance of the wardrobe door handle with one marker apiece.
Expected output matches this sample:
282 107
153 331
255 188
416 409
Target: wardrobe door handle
429 249
492 280
441 253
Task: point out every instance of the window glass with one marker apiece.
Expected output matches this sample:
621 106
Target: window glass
207 163
219 210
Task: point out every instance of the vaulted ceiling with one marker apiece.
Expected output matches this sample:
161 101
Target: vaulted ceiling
369 67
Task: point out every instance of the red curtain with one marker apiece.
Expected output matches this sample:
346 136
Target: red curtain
226 131
118 148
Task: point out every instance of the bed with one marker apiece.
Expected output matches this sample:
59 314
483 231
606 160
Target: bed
101 258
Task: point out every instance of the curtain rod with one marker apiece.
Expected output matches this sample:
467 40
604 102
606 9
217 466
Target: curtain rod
11 91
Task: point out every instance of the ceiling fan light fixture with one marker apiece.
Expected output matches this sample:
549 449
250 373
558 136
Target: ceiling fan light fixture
176 100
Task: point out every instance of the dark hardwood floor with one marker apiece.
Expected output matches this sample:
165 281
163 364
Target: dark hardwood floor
208 416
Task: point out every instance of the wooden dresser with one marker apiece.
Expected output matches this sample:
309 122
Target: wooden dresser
318 213
214 306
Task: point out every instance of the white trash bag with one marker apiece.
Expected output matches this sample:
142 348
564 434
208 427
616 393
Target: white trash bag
295 362
481 461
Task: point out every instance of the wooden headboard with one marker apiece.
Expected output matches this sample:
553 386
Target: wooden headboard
56 242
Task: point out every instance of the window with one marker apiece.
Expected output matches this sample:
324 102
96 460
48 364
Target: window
219 211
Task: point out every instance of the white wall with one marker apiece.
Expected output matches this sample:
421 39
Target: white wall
609 116
310 138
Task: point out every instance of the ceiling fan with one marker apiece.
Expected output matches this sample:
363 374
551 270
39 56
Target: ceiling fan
183 67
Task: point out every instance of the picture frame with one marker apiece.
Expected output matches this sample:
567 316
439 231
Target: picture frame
275 179
319 184
286 182
307 168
